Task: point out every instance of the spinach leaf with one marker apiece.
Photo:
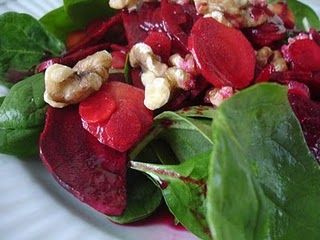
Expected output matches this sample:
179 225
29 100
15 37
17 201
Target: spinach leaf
1 100
23 44
305 17
59 23
84 11
127 71
263 181
22 116
183 185
144 197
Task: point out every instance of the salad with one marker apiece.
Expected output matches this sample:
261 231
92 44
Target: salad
209 107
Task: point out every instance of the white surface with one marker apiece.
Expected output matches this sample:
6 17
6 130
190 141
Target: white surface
34 207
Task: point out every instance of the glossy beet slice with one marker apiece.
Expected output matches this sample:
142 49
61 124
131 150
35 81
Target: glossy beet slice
160 44
305 55
120 127
223 55
71 59
308 113
178 20
267 34
91 171
138 23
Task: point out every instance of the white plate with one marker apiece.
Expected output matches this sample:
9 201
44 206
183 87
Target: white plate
34 207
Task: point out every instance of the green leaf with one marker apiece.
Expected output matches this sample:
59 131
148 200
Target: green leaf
263 181
183 185
140 188
23 44
22 116
59 23
143 198
127 70
84 11
305 16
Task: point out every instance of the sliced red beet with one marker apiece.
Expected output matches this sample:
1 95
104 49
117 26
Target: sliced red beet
89 111
265 74
308 113
71 59
75 38
305 55
91 171
310 79
138 23
96 31
118 59
124 126
178 20
223 54
281 9
160 44
267 34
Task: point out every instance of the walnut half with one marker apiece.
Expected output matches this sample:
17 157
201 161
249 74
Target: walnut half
65 85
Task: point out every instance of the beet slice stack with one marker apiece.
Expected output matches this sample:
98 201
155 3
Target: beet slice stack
91 171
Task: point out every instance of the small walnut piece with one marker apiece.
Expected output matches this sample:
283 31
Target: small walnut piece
217 96
159 79
142 55
232 13
278 62
265 56
129 4
65 85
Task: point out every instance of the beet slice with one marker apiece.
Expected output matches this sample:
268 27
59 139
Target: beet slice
91 171
267 34
138 23
160 44
223 55
71 59
305 55
96 31
178 20
308 113
124 125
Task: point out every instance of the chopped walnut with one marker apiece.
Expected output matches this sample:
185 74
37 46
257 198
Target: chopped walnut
159 79
142 55
232 13
187 63
278 62
217 96
129 4
266 56
263 55
65 85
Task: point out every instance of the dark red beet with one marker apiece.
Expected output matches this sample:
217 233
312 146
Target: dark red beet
160 44
308 113
137 24
312 80
71 59
178 20
305 55
136 78
126 124
223 55
265 74
96 31
91 171
118 59
281 9
267 34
